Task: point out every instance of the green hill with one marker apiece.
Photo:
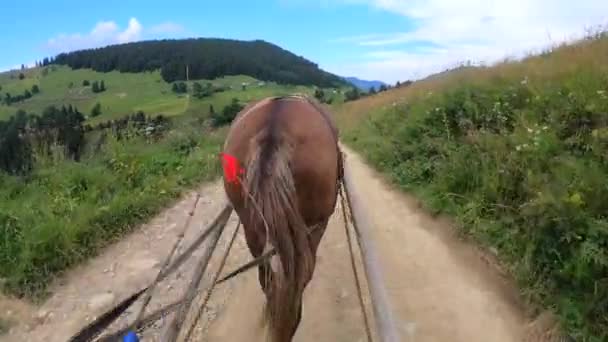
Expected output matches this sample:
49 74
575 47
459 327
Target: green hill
517 154
203 58
125 93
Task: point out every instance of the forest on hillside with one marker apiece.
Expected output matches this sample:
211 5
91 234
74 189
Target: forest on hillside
205 58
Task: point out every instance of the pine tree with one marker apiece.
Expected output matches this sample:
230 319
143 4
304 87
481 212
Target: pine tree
96 111
197 90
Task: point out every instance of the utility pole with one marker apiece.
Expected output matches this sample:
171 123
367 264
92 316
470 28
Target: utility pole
187 80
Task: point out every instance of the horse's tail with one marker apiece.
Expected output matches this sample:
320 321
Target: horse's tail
272 204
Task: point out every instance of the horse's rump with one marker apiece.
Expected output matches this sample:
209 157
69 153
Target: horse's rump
314 157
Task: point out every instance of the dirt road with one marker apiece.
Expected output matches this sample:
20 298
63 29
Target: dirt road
441 289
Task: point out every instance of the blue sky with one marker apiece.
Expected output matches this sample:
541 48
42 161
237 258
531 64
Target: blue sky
388 40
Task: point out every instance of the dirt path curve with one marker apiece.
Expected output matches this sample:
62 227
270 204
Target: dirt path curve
441 289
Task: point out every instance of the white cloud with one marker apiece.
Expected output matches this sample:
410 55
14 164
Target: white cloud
104 30
106 33
133 32
481 30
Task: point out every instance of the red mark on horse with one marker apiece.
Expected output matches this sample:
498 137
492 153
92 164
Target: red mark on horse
232 168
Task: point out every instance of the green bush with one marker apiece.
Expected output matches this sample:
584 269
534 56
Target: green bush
524 169
228 113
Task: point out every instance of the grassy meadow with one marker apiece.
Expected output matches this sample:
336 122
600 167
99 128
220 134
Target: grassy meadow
517 153
127 93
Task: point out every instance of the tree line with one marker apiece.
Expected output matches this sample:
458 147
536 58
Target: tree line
198 90
25 135
202 58
96 87
9 99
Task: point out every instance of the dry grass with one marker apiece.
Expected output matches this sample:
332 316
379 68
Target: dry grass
550 65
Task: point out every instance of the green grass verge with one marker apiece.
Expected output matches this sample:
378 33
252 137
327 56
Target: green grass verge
66 211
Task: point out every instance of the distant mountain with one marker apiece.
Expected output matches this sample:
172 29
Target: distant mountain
364 84
203 58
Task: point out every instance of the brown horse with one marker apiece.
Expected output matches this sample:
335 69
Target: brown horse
292 171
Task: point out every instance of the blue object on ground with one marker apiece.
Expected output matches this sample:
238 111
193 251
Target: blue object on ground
130 337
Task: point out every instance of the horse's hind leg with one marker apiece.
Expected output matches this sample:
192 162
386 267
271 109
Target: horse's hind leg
314 239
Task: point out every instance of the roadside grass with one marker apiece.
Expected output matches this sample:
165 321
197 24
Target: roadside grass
517 154
65 211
